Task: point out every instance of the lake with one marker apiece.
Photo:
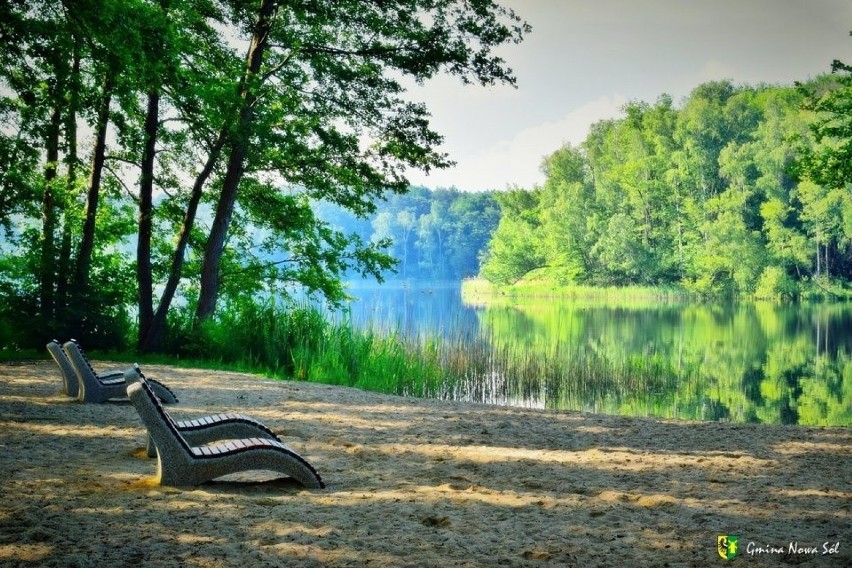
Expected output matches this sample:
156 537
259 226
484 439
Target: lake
715 361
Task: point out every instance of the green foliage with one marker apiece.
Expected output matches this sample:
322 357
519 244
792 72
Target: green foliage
513 253
99 320
299 342
742 191
514 250
775 284
313 110
830 163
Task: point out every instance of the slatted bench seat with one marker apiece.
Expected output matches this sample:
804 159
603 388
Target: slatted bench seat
181 463
206 429
235 447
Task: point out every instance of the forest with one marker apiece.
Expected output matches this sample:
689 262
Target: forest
741 190
161 159
433 234
165 163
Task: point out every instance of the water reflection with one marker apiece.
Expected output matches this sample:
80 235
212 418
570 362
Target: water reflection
743 362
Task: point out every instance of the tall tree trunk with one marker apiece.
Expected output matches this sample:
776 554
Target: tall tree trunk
153 338
144 272
87 241
48 217
817 255
236 163
64 265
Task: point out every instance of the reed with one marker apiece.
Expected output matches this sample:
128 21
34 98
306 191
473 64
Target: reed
302 343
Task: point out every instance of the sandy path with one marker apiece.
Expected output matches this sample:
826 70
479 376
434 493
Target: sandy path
412 482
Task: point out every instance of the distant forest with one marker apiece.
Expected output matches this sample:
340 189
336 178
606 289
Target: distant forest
434 234
741 190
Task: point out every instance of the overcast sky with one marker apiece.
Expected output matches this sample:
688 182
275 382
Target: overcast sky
585 58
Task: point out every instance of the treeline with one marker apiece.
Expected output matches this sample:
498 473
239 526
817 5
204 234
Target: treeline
123 122
741 190
434 234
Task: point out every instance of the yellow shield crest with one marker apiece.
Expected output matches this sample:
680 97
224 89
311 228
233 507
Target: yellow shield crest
727 545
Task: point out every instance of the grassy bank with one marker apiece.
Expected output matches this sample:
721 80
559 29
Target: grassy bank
301 343
480 291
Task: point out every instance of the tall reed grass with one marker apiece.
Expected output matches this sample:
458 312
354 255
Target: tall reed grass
302 343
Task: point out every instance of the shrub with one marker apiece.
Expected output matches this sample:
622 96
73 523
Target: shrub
775 284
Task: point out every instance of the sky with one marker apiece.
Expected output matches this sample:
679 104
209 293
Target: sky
584 59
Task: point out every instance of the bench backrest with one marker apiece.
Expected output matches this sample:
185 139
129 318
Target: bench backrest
155 417
68 374
83 357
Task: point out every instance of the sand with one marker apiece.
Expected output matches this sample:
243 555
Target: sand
412 483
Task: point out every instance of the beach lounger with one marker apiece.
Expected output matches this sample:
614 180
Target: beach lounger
180 463
93 387
207 429
69 376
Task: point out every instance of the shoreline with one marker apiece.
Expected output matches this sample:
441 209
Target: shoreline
478 291
411 482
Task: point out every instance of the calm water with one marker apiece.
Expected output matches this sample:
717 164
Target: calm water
741 362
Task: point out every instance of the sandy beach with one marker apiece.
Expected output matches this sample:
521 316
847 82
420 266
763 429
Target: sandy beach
413 483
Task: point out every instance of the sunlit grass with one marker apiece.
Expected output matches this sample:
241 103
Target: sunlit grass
486 363
480 291
302 343
536 285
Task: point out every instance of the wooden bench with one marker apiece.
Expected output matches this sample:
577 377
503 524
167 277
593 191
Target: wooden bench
94 387
207 429
181 463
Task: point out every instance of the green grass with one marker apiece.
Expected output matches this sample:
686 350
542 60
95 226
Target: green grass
300 343
8 355
483 292
479 291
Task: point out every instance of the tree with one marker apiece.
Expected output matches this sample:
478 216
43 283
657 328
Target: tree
183 77
830 163
826 191
567 203
741 190
315 111
513 251
44 74
318 75
473 219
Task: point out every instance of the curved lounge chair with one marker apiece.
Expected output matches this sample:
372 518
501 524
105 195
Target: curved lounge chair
70 384
181 464
207 429
100 388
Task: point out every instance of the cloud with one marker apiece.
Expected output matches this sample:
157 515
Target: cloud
517 161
